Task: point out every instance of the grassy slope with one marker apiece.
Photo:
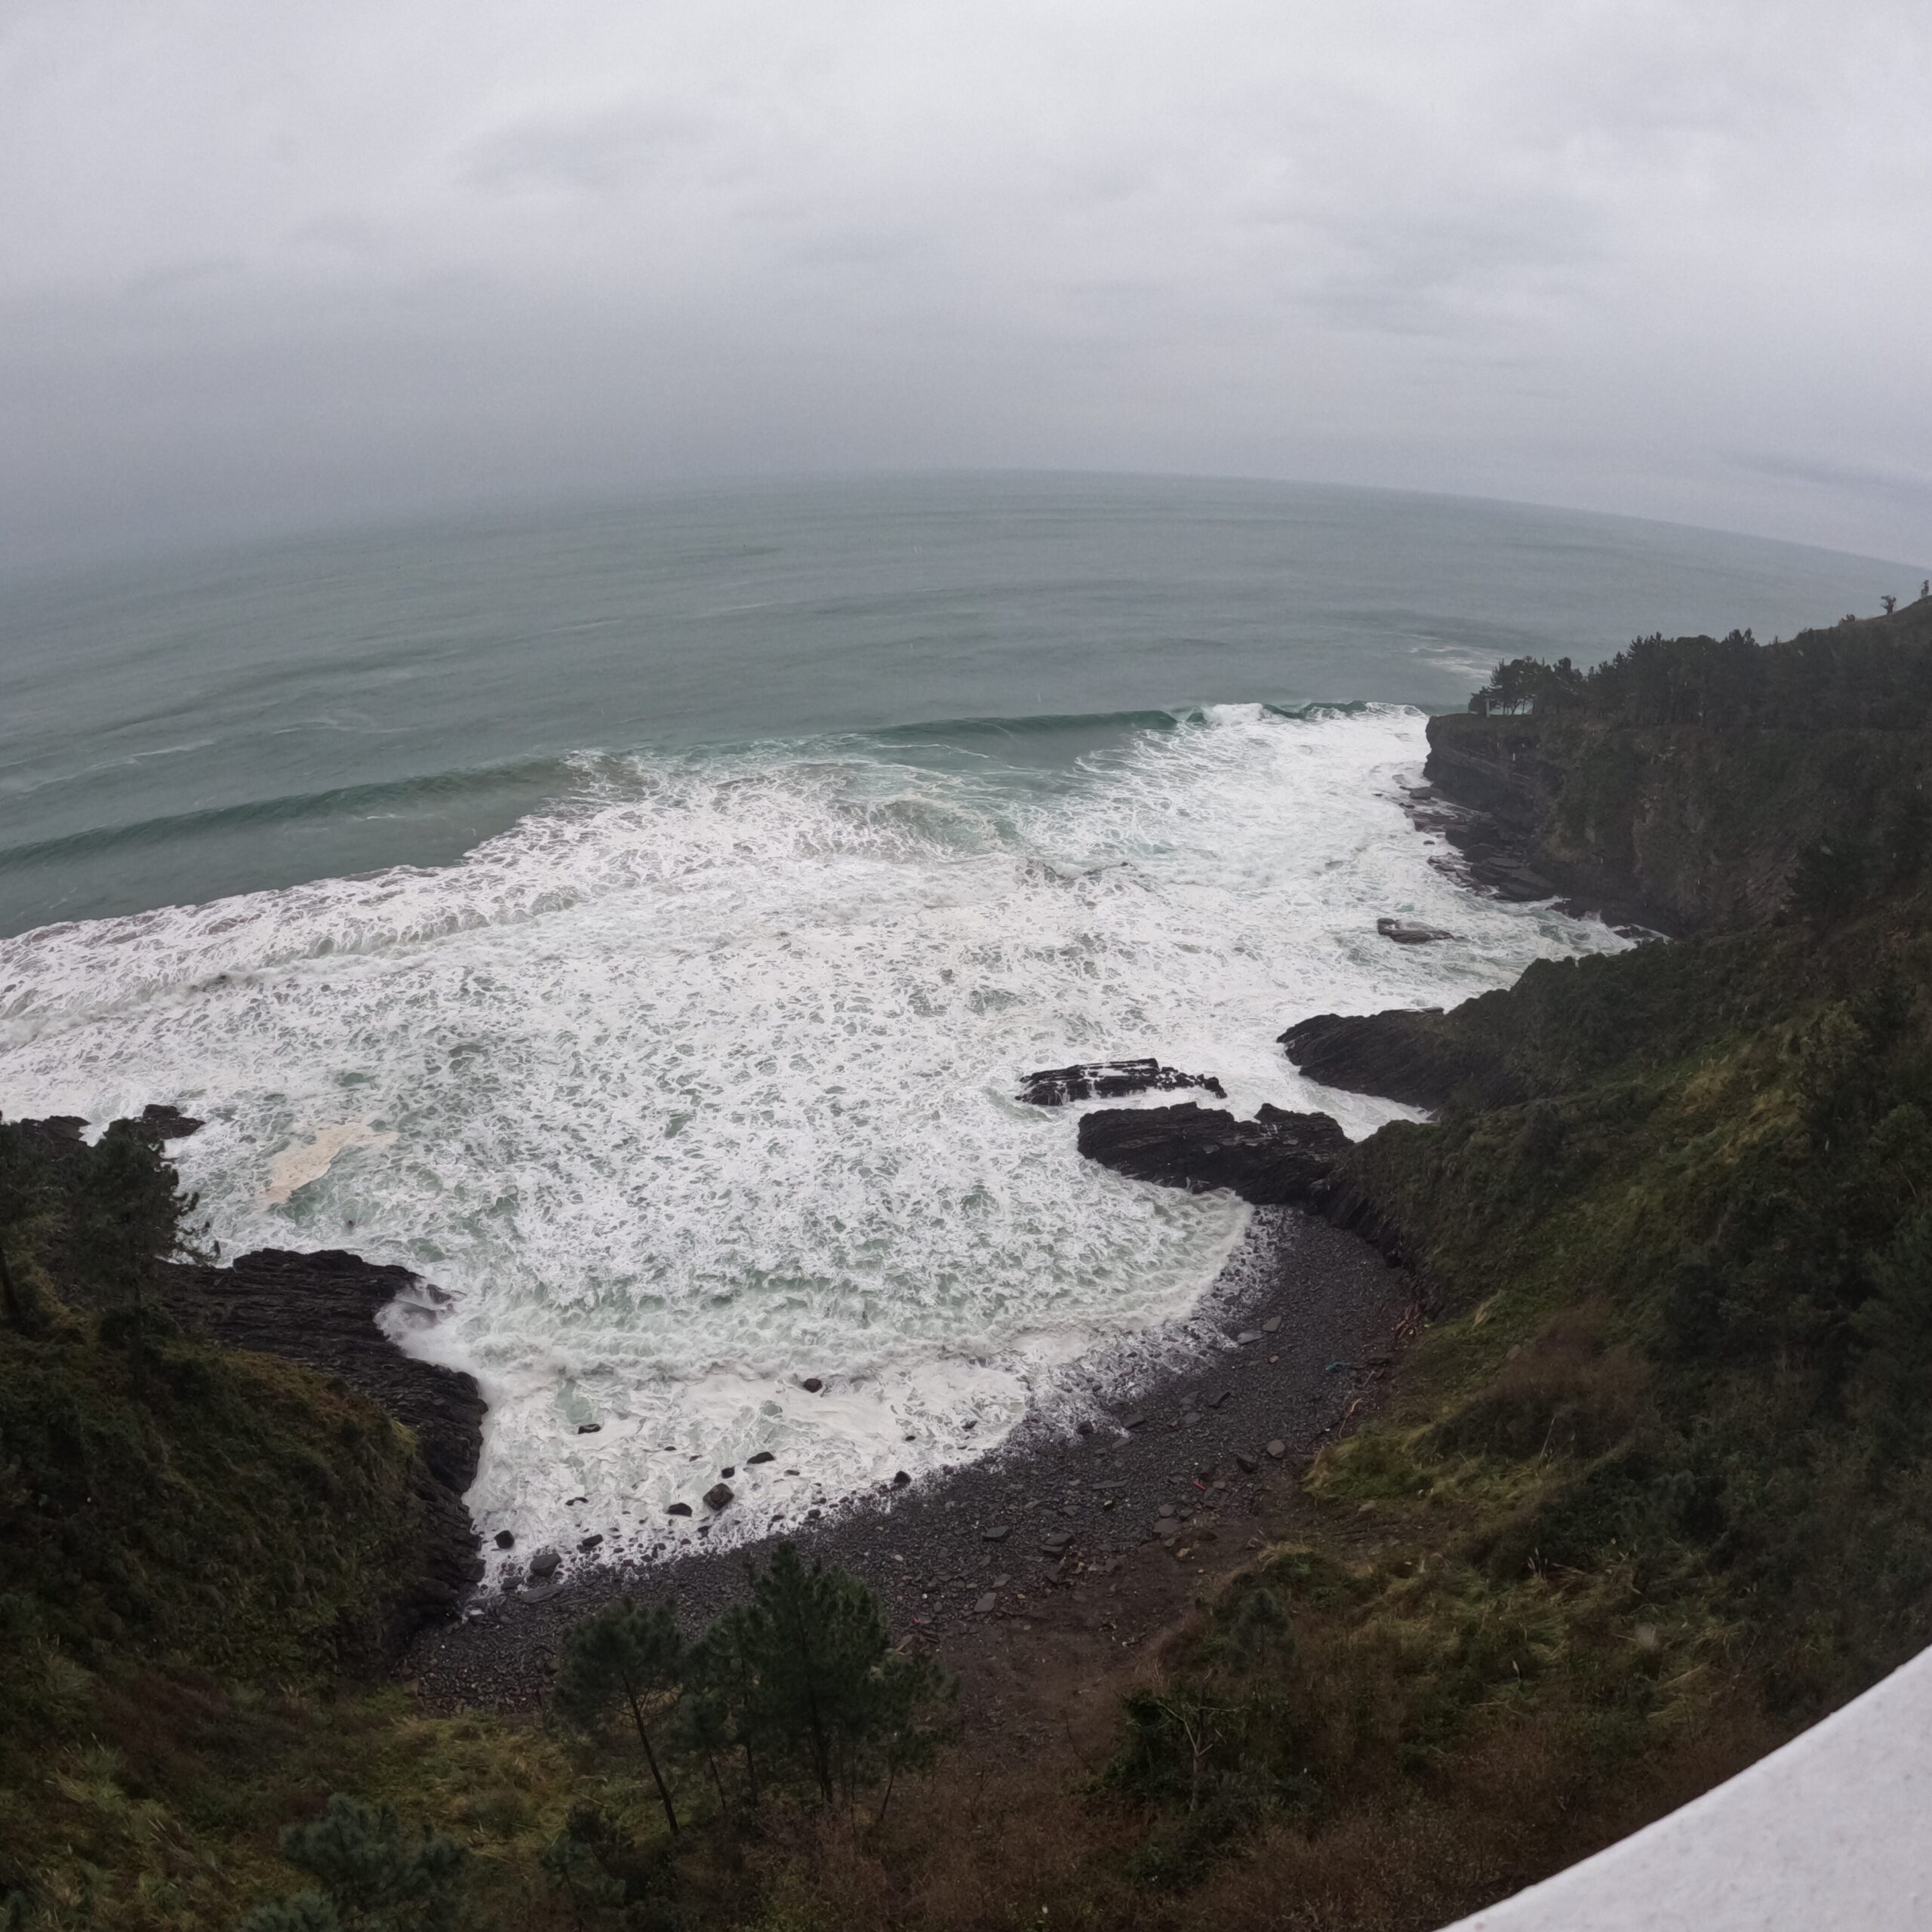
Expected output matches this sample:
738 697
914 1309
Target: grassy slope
190 1558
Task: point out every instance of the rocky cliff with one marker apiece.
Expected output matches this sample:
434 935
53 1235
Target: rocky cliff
1687 783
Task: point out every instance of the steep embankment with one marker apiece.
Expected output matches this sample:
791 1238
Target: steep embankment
189 1534
1687 781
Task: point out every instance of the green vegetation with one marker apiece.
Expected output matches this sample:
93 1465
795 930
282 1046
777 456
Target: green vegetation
1648 1496
1697 775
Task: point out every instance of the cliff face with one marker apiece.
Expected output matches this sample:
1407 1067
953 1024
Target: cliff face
319 1310
1693 828
234 1466
1691 782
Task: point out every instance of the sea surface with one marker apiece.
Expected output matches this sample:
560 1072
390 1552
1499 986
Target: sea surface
638 919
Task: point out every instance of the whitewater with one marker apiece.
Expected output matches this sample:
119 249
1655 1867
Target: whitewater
698 1080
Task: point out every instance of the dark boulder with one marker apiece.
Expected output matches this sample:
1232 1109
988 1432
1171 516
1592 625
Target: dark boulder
1277 1158
1109 1080
718 1495
1410 932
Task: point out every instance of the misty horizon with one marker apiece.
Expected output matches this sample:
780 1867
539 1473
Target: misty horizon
270 275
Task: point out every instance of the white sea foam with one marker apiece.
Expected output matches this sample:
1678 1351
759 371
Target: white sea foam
702 1082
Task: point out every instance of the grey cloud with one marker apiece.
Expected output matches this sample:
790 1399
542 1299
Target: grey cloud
272 266
602 154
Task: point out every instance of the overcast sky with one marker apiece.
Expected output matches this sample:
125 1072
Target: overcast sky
270 264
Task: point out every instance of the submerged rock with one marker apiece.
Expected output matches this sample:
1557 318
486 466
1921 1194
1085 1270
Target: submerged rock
718 1495
1109 1080
1277 1157
1410 932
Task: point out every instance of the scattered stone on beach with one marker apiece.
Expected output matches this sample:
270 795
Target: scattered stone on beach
678 1509
1410 932
730 1469
1277 1158
718 1495
900 1479
1246 1336
589 1544
539 1593
763 1455
1135 1422
1335 1302
1083 1428
811 1385
545 1562
506 1539
1277 1448
1215 1401
1109 1080
1272 1326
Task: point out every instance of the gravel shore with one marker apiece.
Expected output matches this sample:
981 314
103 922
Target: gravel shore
1176 1483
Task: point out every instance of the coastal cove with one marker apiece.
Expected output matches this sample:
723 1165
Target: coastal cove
1521 1426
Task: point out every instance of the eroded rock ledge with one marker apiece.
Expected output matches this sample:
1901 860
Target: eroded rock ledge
1411 1055
320 1310
1276 1158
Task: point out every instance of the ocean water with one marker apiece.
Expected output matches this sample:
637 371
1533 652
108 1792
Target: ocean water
639 922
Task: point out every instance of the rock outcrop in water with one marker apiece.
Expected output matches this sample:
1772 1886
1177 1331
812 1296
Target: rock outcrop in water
1109 1080
1413 1056
1278 1157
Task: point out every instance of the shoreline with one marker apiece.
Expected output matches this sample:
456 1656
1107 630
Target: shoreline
1053 1522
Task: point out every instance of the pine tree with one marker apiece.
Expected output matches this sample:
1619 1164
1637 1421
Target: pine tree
130 1215
372 1875
830 1686
721 1714
624 1654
